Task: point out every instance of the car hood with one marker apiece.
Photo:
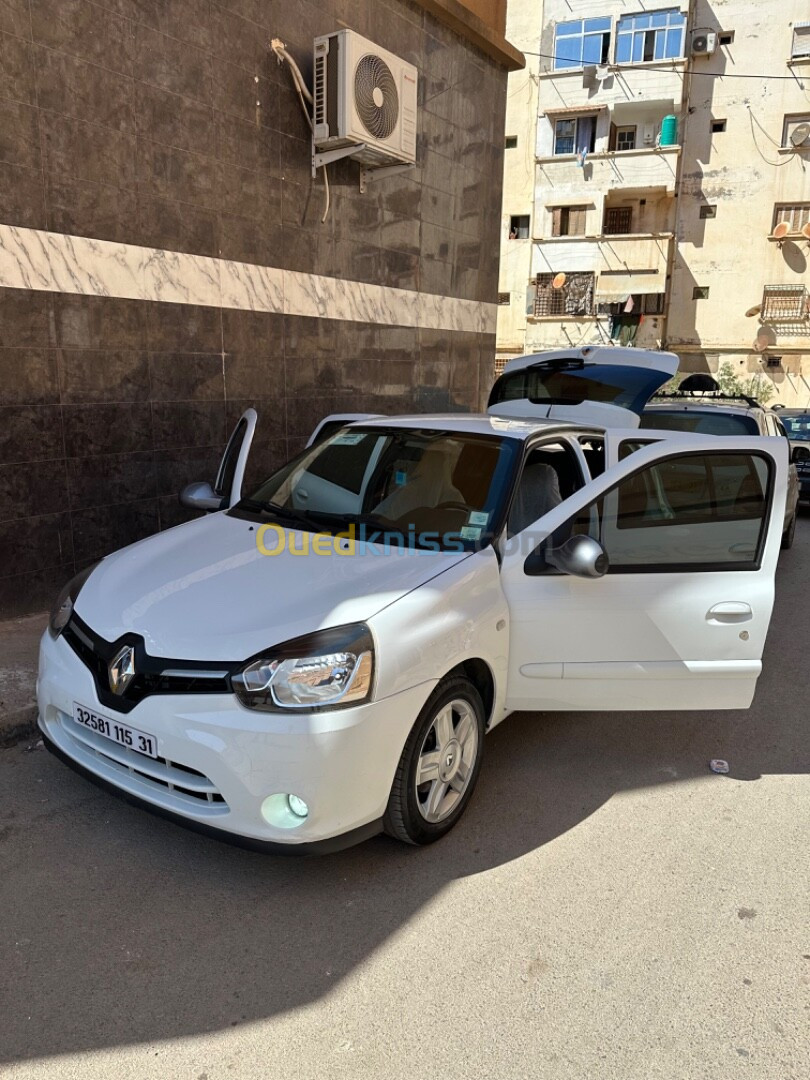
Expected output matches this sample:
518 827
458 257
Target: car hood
608 386
204 591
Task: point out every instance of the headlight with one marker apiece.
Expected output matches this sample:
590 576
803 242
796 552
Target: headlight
332 668
63 608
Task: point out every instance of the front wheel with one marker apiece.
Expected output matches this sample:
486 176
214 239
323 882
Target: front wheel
439 765
789 534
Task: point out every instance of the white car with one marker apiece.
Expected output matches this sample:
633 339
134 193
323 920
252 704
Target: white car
321 660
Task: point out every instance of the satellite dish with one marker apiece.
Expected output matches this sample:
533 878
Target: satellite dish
781 230
752 311
800 134
558 281
806 231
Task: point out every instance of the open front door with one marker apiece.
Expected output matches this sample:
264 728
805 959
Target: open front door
227 488
691 530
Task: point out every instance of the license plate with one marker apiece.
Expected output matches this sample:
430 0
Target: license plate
119 733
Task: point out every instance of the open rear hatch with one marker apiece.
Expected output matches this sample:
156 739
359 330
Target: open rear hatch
608 386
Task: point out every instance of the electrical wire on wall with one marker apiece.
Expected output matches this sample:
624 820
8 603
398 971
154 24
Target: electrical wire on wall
304 96
773 164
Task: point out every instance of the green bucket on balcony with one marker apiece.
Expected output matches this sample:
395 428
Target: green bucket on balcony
669 131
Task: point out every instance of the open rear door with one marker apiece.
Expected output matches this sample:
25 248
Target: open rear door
691 529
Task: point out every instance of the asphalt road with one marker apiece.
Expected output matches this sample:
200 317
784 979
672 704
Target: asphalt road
609 908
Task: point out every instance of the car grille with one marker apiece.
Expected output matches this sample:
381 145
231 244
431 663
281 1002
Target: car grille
154 674
168 783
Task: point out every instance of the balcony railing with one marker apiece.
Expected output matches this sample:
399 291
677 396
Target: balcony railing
609 171
785 304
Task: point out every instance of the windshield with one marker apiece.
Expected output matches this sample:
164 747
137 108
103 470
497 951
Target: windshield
573 382
797 427
704 423
403 488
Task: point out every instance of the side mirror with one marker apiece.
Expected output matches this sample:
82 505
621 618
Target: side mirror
799 453
201 496
581 556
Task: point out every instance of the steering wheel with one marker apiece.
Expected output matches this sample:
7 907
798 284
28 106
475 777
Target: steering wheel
452 505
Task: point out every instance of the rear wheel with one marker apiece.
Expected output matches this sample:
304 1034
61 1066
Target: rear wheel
439 766
789 534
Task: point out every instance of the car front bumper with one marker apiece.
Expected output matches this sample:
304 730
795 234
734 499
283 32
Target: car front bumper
219 762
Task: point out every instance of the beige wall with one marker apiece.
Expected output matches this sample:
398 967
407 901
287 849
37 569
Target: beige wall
523 30
742 172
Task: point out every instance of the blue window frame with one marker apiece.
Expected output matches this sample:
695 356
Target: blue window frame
584 41
657 35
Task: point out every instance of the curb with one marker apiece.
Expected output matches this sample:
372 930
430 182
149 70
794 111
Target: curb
19 660
18 725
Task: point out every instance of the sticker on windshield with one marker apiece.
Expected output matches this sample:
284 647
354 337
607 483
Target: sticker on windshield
348 438
478 517
469 532
400 477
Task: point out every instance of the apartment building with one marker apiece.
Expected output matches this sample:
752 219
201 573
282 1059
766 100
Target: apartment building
670 184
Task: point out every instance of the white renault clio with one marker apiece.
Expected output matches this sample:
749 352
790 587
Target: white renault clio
320 660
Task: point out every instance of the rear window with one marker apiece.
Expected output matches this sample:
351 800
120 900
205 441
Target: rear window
703 423
797 427
572 383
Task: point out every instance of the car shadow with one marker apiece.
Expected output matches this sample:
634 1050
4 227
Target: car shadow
122 928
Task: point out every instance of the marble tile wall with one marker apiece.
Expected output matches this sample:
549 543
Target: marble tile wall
170 130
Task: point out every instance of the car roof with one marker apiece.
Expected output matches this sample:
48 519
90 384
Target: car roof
792 412
475 424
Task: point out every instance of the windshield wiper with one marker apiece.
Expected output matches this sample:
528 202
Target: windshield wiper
285 513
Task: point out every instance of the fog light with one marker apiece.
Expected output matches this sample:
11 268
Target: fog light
298 806
284 811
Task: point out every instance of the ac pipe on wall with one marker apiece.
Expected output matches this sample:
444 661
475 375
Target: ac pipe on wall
304 95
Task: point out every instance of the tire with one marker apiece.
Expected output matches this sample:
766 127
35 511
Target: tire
789 534
449 729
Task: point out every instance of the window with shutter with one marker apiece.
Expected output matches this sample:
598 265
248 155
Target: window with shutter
568 220
576 221
801 41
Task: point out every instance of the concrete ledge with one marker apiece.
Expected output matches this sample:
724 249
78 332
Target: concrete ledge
19 651
454 14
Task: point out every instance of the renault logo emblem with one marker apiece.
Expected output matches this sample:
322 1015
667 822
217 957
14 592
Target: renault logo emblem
121 669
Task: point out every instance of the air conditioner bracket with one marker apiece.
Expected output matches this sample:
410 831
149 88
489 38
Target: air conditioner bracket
367 175
328 156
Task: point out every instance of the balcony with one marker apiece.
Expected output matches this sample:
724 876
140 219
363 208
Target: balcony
626 170
622 264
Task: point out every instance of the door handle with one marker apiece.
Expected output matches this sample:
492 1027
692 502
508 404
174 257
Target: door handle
730 612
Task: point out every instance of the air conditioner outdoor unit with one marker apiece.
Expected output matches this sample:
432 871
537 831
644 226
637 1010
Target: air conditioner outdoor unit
704 42
364 96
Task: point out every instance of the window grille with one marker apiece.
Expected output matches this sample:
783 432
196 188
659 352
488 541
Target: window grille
618 219
784 303
574 298
795 215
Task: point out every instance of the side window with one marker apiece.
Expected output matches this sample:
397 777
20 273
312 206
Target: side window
690 512
593 450
227 467
629 446
346 465
550 474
